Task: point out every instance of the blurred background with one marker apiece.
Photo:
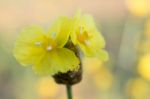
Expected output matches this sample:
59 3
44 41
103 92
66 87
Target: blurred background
125 24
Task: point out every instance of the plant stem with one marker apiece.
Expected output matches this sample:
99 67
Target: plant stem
69 91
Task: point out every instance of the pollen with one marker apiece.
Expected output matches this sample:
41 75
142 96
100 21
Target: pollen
49 48
38 43
84 38
81 29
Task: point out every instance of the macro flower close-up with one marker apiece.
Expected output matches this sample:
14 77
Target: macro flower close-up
56 52
44 49
74 49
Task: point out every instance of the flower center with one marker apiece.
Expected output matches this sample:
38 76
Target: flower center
46 44
83 36
49 48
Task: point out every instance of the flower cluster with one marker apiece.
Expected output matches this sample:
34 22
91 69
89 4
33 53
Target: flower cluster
46 52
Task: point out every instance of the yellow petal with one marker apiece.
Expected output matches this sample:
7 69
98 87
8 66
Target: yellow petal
89 22
95 47
76 20
58 60
25 50
31 34
103 55
28 55
60 31
94 51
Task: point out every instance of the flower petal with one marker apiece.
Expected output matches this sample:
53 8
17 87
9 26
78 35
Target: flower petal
31 34
97 40
88 22
58 60
28 55
75 26
95 47
25 50
60 30
93 51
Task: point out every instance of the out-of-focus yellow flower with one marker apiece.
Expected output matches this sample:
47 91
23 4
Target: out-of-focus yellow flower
85 34
144 46
138 8
144 66
44 50
92 64
147 29
103 79
138 89
46 88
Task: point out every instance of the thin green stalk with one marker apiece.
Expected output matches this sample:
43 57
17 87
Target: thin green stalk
69 91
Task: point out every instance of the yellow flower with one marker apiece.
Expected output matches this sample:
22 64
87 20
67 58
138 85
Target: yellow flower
85 34
139 8
46 88
138 88
44 50
144 66
147 29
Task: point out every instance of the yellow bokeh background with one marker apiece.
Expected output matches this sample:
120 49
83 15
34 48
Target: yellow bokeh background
125 25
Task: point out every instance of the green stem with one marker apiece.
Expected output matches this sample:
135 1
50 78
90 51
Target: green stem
69 91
